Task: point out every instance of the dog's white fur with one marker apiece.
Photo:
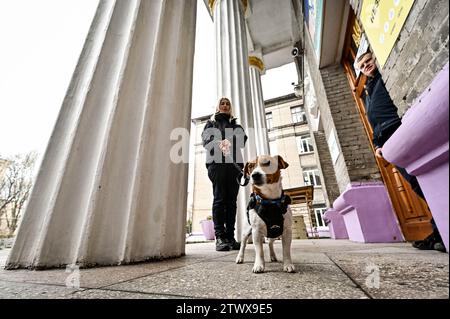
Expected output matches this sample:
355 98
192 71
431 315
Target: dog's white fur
258 228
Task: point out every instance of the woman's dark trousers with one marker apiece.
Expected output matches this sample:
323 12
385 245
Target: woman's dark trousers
225 189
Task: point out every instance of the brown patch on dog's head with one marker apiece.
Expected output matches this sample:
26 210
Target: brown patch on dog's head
279 163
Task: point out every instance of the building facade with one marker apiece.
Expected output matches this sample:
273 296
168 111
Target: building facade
289 136
409 40
3 225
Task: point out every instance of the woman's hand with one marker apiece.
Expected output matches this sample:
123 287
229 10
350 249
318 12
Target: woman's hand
225 146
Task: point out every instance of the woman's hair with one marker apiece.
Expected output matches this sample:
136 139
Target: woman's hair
231 107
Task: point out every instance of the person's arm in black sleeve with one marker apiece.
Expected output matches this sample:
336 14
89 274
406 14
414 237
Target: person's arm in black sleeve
239 138
376 143
211 139
208 134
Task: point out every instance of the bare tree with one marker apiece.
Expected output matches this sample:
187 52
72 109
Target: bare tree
15 186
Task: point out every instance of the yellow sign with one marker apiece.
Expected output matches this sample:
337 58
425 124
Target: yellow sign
383 21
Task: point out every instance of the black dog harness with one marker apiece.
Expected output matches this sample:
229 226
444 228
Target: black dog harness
271 212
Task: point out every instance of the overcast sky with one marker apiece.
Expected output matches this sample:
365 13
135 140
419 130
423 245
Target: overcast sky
40 45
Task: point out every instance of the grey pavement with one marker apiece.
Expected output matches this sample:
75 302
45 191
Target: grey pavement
326 268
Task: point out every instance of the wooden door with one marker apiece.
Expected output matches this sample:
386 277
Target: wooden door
412 212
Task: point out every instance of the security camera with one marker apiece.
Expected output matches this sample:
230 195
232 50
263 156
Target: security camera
295 52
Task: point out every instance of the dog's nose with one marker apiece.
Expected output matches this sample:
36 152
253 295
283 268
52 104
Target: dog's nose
257 176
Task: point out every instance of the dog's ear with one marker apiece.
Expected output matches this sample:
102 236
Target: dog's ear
246 169
249 167
281 163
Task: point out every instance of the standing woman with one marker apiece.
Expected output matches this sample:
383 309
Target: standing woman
223 139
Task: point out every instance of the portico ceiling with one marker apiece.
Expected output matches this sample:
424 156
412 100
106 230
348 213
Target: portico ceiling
273 28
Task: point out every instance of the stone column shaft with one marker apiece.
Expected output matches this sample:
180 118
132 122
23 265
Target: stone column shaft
259 112
233 79
107 191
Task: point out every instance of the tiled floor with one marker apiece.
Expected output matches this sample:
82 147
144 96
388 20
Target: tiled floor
325 269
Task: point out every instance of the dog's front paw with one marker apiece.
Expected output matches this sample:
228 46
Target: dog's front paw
257 268
289 268
239 259
273 258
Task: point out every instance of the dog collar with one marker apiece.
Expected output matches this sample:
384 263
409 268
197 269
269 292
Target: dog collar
279 201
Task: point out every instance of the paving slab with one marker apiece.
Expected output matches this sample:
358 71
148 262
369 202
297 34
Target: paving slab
397 275
115 294
19 290
100 276
225 279
325 269
298 255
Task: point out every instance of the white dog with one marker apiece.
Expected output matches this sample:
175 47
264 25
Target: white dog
268 212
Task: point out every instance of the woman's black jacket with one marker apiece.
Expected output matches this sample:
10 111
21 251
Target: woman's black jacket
222 126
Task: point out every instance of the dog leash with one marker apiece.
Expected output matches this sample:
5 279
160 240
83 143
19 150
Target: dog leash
241 173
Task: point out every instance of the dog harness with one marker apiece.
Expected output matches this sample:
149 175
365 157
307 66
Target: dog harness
271 212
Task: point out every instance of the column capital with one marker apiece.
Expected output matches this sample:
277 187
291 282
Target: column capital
256 62
211 4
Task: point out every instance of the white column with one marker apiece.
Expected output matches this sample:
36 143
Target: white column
256 69
107 191
233 79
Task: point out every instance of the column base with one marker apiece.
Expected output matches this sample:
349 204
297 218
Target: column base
336 224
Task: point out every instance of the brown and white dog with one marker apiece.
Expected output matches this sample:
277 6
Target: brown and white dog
265 176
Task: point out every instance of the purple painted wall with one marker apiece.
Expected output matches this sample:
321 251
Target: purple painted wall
421 146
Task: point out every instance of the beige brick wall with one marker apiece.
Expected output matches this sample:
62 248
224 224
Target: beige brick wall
3 229
3 164
284 135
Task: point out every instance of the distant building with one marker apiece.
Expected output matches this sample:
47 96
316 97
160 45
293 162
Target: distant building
3 165
289 136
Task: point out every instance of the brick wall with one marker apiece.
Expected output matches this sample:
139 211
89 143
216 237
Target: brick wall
326 165
338 113
354 144
326 118
420 52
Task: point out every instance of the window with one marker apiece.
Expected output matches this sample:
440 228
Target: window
269 120
318 214
311 177
304 144
298 114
